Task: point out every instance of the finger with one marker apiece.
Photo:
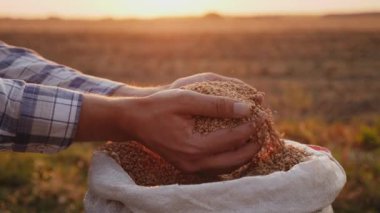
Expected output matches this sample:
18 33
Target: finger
224 78
258 98
227 161
213 106
227 139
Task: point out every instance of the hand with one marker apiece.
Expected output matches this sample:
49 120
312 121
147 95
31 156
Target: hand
131 91
208 76
164 123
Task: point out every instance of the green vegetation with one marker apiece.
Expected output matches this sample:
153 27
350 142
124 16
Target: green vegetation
370 137
349 145
44 183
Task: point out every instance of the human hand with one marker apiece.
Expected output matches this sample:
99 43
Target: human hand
207 76
164 123
132 91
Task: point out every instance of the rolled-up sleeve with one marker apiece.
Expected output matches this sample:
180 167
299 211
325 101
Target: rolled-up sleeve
25 64
37 118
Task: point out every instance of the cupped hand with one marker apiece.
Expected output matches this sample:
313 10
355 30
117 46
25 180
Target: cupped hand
207 76
132 91
164 123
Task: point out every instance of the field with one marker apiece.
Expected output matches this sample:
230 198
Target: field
320 75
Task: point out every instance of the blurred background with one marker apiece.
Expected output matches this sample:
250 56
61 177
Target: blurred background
317 61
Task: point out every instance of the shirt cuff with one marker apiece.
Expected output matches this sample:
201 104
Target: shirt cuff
48 119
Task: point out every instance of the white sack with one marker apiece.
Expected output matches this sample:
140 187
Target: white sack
308 187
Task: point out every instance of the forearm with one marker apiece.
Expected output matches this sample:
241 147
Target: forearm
133 91
37 118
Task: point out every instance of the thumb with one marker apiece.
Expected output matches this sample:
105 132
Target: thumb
214 106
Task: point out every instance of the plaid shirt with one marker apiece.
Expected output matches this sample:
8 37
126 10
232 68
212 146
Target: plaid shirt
40 101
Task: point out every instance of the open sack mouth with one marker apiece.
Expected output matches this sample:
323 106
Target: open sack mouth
148 169
309 186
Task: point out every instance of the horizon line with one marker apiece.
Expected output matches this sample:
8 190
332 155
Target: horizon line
189 16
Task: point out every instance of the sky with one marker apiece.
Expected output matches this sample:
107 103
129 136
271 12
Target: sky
159 8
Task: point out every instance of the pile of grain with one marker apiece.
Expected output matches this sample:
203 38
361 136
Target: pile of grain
149 169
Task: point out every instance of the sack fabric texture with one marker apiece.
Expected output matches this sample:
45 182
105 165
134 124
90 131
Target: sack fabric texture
310 186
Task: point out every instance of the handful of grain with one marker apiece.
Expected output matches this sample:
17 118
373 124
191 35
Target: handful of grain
148 169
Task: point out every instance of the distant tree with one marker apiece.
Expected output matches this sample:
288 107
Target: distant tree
54 18
212 15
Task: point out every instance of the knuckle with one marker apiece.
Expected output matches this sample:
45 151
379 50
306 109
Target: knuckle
220 106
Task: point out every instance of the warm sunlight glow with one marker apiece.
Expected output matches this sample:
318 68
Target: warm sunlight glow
159 8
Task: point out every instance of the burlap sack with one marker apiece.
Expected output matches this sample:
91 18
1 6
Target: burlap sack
310 186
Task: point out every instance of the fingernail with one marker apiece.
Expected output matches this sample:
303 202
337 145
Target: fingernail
241 109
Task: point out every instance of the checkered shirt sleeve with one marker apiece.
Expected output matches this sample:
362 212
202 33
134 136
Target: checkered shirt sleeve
40 101
24 64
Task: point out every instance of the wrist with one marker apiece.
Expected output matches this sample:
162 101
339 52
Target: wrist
98 118
130 117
